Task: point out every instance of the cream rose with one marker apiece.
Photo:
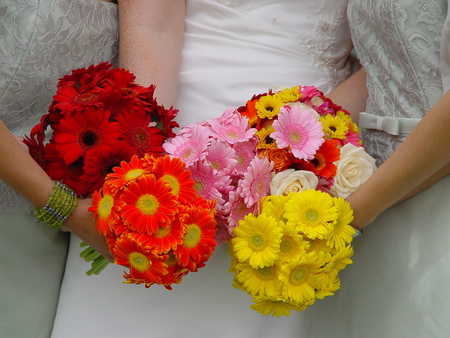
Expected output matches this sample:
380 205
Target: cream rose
291 180
353 168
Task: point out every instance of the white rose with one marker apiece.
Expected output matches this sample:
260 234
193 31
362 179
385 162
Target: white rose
291 180
354 167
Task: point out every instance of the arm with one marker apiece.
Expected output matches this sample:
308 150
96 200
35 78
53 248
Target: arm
24 175
151 37
352 94
422 159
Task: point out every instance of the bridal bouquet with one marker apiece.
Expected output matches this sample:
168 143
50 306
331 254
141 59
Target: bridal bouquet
279 168
154 221
106 137
98 118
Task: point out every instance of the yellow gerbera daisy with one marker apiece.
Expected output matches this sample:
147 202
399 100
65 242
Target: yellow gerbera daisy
265 141
339 260
268 106
334 126
261 282
319 245
329 289
343 232
273 205
267 306
289 94
301 279
311 212
292 246
257 239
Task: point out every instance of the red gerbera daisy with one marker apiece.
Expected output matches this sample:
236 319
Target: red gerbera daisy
173 171
144 263
102 161
136 130
149 205
84 131
198 240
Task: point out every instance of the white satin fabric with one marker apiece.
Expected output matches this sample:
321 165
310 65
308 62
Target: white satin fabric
233 49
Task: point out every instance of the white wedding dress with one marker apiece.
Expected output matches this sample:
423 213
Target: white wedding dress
232 50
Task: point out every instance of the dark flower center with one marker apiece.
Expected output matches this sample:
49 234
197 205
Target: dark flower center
140 137
88 138
268 140
86 98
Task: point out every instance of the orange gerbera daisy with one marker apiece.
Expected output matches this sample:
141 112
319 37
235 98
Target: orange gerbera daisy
324 158
167 238
173 171
144 263
128 172
149 205
198 240
105 207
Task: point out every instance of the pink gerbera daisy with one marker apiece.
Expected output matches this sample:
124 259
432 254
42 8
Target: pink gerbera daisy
221 157
236 210
245 152
189 150
256 182
207 181
298 129
232 127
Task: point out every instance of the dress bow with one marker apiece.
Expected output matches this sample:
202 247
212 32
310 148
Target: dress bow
390 125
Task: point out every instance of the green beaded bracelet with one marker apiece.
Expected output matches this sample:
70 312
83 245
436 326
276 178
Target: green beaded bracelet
60 205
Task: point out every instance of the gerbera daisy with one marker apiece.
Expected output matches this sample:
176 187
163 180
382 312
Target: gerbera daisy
84 131
221 157
256 181
189 150
149 205
173 172
136 130
126 173
339 260
249 111
292 246
324 158
289 94
299 130
334 126
143 262
257 239
265 141
100 162
268 106
231 127
105 208
273 205
198 241
206 181
312 212
165 239
236 209
300 279
245 153
267 306
343 232
259 281
70 100
309 92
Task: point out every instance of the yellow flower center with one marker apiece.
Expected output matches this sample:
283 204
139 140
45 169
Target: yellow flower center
286 244
198 186
133 174
171 259
173 182
265 273
312 215
298 276
105 206
257 242
295 137
192 236
139 261
147 204
162 232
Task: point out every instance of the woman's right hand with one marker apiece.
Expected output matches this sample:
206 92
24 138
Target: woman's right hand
82 224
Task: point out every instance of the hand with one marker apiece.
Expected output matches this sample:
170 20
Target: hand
82 224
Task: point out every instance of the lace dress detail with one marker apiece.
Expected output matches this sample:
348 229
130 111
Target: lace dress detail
408 82
50 44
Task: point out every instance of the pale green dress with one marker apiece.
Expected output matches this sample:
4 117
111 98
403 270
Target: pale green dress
398 286
40 41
